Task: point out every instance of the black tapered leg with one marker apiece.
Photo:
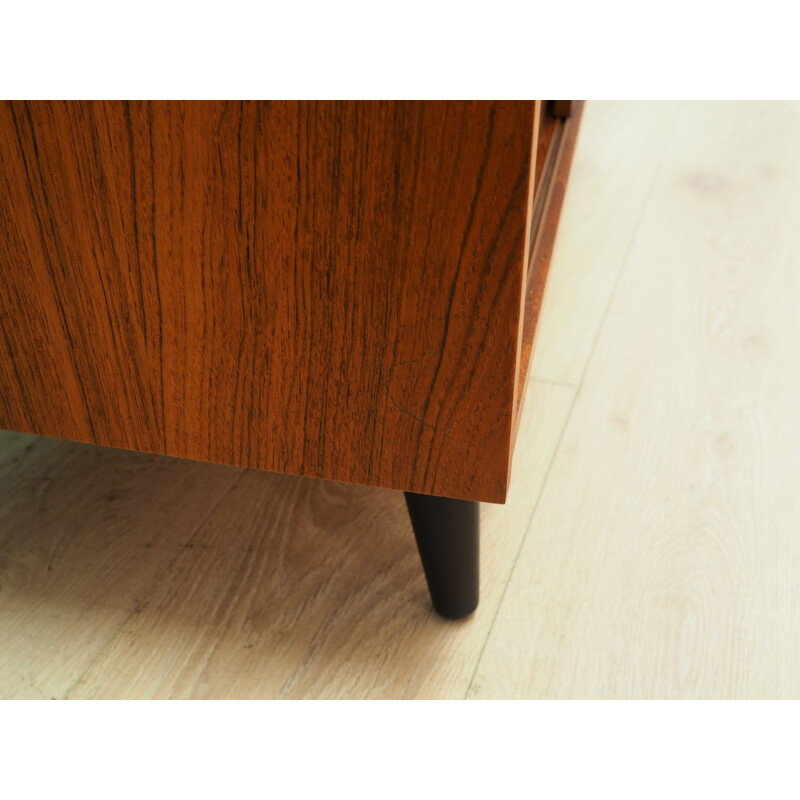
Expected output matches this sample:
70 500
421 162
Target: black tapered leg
447 534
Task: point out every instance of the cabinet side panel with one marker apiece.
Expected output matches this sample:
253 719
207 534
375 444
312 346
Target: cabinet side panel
556 147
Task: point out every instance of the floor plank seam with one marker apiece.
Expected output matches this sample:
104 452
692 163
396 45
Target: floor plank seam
548 382
521 545
626 255
606 310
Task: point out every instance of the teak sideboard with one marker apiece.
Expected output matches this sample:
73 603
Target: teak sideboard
343 290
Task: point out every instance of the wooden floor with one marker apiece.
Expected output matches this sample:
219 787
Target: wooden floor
650 547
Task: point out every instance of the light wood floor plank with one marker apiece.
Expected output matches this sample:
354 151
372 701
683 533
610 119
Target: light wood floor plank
84 531
302 588
619 145
664 555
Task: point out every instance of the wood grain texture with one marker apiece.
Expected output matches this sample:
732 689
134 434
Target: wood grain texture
663 558
325 289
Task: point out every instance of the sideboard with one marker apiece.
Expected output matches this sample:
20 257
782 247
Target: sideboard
342 290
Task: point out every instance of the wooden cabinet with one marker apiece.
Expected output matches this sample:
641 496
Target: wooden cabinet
344 290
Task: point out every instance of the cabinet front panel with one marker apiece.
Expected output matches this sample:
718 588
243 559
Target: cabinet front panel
326 289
